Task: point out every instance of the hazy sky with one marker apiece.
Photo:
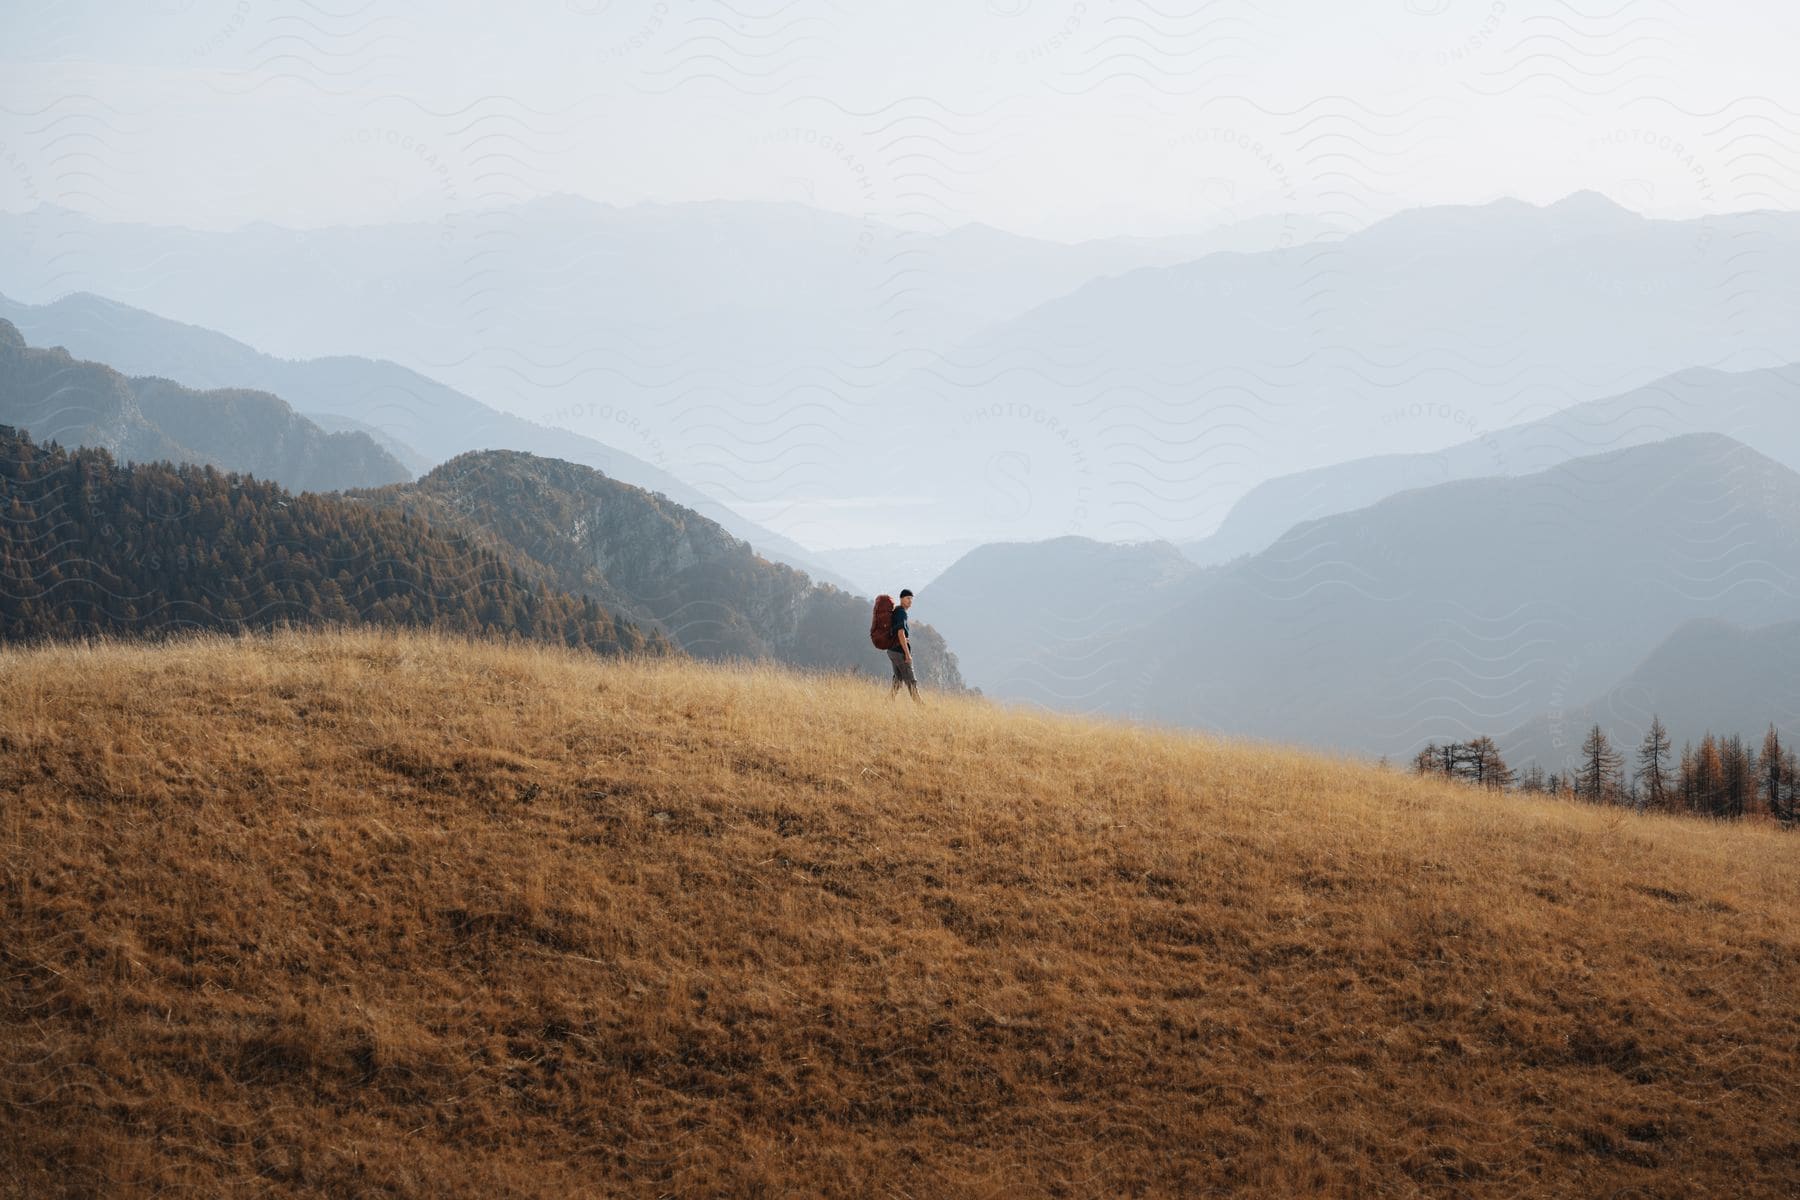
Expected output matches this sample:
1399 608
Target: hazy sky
1063 118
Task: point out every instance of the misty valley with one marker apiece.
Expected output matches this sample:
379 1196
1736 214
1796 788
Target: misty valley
986 600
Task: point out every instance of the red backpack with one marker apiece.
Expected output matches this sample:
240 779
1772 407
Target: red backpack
881 625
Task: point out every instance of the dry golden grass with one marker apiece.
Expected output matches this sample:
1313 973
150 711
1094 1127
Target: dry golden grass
359 914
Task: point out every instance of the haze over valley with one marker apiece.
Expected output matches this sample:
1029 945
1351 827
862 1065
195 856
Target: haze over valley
1019 598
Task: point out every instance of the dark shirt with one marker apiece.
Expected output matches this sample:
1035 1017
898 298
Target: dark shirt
899 627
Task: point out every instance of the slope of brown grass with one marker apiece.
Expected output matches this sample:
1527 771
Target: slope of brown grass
356 914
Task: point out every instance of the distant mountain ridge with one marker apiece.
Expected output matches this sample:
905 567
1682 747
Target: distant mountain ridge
1709 675
1760 408
1435 614
1119 392
742 342
1145 404
58 397
424 421
1469 606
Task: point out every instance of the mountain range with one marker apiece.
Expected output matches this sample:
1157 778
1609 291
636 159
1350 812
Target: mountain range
1469 607
744 340
843 382
1760 408
1561 520
57 397
419 421
581 540
1144 405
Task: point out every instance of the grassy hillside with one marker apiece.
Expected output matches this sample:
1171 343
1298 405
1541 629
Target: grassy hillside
383 914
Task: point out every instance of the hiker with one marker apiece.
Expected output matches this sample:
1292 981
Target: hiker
893 636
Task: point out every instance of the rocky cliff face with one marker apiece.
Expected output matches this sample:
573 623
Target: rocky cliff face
642 555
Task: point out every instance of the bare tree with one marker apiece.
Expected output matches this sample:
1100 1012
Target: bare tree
1788 810
1739 777
1425 761
1450 758
1708 777
1684 779
1483 766
1598 777
1653 764
1774 769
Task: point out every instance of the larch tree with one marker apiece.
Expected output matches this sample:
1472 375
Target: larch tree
1738 779
1425 761
1709 777
1774 770
1597 779
1483 766
1684 779
1653 764
1788 810
1450 758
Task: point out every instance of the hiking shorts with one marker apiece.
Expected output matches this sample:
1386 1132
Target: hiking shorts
903 670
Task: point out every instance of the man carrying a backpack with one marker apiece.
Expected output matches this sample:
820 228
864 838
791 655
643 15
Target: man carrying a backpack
900 653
